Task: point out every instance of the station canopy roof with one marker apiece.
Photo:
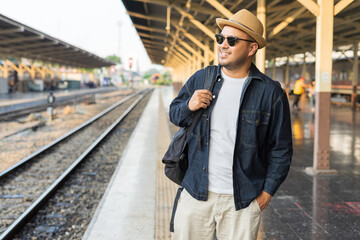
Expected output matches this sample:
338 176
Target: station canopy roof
19 40
150 18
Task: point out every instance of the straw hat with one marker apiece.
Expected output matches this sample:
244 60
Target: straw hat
247 22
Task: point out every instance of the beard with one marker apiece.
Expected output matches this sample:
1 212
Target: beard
234 64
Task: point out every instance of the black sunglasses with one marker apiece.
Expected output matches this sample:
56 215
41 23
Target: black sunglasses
231 40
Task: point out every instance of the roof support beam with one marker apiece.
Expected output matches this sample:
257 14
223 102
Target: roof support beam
12 30
343 53
194 6
197 23
177 29
153 46
218 6
33 45
341 5
174 56
180 49
11 65
193 51
158 2
151 36
31 70
151 42
311 6
177 53
168 13
138 15
22 39
286 22
52 51
149 29
273 2
197 42
49 49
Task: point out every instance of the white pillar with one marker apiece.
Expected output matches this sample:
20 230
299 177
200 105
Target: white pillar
260 55
355 75
323 74
216 55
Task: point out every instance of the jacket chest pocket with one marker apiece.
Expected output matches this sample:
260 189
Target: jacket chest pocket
254 125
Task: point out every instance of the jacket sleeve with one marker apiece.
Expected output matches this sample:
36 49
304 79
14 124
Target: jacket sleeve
279 145
179 113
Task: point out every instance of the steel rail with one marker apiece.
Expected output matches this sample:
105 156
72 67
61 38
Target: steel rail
66 135
35 109
41 105
35 206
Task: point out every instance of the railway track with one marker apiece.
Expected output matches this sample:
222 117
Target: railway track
25 187
19 110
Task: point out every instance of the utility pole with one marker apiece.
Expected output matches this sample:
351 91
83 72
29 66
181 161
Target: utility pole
119 37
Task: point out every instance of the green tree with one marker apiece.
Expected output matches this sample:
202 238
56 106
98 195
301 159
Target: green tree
113 58
149 73
147 76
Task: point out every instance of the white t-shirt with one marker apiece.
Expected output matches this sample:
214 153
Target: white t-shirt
223 128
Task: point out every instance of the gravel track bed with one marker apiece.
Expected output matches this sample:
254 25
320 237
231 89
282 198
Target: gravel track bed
20 189
69 211
15 148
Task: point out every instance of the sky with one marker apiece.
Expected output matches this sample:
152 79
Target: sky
101 27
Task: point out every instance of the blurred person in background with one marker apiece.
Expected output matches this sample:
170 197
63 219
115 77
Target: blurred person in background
299 89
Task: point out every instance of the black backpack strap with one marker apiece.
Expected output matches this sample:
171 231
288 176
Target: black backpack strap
209 81
210 75
176 200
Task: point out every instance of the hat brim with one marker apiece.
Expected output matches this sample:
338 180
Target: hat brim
259 39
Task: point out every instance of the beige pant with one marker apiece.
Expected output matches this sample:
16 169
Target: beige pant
201 220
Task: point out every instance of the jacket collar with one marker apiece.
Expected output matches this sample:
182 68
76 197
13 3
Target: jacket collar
254 72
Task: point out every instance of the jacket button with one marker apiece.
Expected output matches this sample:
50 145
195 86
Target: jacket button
219 79
204 169
214 96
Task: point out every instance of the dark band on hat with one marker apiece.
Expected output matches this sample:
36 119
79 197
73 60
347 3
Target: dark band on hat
240 24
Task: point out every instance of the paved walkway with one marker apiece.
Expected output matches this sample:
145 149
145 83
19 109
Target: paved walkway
137 204
319 207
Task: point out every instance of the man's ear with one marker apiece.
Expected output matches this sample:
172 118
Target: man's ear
253 49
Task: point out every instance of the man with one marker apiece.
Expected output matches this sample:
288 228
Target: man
240 150
299 89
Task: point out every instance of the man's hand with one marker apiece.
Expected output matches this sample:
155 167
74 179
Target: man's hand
200 99
263 200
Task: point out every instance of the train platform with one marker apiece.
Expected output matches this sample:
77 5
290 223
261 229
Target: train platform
30 99
138 201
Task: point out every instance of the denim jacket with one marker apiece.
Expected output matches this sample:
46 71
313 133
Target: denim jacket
263 145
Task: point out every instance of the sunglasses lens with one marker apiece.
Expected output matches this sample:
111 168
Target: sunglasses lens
231 41
219 38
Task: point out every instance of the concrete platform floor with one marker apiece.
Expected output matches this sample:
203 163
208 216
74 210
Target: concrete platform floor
305 207
319 207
